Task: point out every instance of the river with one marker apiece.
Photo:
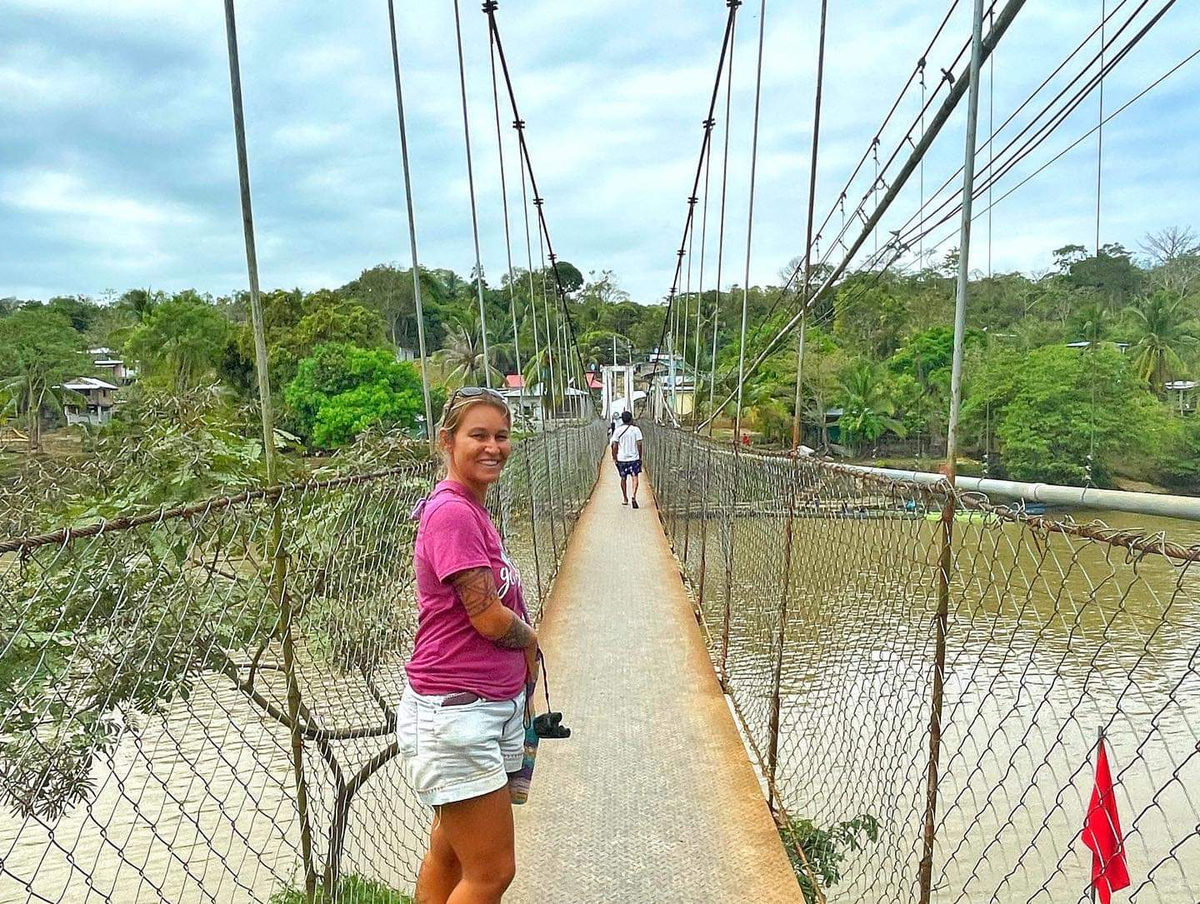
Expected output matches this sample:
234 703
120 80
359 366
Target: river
1050 638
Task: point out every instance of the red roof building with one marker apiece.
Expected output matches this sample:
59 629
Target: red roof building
514 381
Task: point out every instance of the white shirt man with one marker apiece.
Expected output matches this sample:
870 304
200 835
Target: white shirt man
627 454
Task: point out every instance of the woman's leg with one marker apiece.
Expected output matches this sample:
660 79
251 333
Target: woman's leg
440 870
480 833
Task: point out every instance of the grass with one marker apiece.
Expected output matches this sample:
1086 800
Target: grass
351 890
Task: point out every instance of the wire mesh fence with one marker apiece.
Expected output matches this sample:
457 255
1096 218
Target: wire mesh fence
821 593
197 704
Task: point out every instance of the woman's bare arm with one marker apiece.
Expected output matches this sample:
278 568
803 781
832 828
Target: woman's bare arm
489 616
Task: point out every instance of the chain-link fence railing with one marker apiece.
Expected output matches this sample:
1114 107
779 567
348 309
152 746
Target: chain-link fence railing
878 642
197 704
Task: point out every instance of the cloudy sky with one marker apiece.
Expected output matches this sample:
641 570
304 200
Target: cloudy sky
117 164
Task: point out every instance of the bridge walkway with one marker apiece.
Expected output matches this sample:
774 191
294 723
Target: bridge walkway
653 799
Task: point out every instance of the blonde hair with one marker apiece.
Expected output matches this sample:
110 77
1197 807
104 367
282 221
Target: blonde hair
456 409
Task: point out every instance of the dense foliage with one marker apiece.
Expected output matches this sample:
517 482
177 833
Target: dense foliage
342 390
1061 365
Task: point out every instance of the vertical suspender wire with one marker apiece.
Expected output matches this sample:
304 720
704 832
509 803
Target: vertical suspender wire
798 411
512 309
512 298
726 512
793 484
987 406
542 384
278 555
681 373
921 210
737 417
1095 337
462 82
925 877
552 354
687 313
687 524
412 230
749 226
256 313
696 381
712 373
1100 126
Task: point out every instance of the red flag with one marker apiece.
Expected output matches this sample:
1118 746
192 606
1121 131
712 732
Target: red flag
1102 833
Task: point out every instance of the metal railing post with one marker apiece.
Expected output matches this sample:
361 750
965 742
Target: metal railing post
945 560
777 673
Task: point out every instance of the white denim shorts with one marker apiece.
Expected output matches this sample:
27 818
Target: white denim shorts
453 753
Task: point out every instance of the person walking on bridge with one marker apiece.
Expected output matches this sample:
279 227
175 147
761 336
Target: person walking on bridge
627 455
460 726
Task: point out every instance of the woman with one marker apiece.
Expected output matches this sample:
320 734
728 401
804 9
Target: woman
461 721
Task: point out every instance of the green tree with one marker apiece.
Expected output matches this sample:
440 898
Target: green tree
1052 406
342 390
462 356
181 342
1162 332
139 304
867 408
80 310
38 352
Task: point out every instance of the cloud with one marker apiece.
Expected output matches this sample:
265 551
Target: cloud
120 163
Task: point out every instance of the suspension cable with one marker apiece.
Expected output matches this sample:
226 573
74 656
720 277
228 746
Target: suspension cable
489 9
512 290
462 81
726 49
1003 21
712 371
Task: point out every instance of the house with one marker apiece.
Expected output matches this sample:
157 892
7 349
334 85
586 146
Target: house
96 407
1186 392
1084 343
404 353
112 367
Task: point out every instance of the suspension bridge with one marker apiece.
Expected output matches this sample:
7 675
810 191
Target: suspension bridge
789 679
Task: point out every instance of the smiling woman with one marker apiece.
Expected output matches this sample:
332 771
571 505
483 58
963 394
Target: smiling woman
461 723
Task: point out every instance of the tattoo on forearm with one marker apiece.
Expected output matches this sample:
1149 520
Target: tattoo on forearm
477 590
518 636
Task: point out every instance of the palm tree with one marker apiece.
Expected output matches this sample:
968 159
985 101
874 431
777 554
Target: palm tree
462 354
1163 330
866 408
139 303
1094 320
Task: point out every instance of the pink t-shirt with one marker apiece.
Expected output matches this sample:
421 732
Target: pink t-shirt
449 655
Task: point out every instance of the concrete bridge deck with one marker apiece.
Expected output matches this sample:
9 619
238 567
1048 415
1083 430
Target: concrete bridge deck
653 798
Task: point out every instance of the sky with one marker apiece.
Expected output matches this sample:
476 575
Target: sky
118 166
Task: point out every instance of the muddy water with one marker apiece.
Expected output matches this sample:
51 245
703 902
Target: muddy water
1050 639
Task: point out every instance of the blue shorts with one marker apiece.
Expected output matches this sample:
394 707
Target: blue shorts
629 468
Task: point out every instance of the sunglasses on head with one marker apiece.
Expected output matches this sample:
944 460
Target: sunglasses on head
473 392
